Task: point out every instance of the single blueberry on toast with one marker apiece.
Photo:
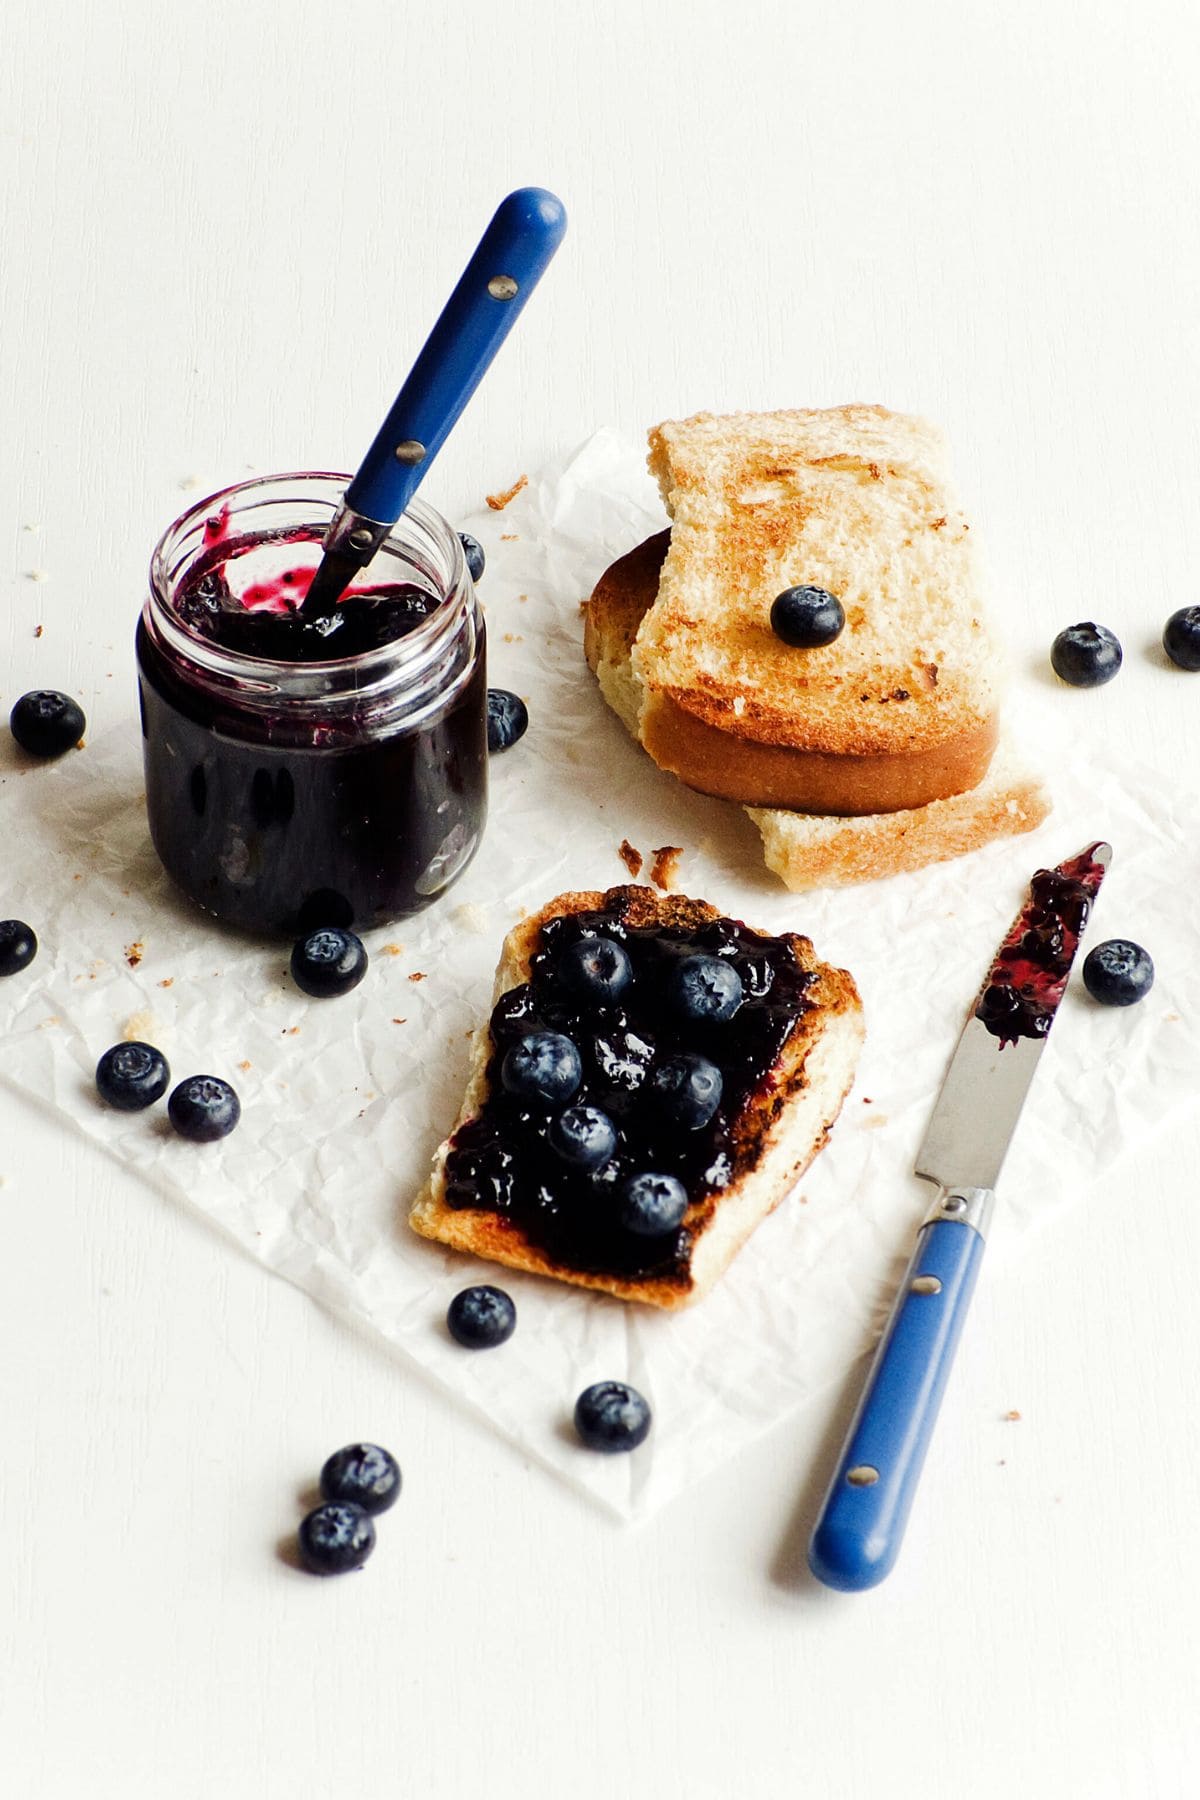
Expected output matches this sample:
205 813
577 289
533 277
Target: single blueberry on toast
632 1144
807 617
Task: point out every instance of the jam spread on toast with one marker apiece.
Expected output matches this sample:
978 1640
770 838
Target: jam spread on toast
1029 975
505 1160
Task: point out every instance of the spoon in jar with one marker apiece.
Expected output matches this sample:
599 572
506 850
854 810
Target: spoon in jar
509 261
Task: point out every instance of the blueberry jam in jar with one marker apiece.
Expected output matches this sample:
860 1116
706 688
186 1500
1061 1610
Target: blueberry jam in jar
299 773
505 1160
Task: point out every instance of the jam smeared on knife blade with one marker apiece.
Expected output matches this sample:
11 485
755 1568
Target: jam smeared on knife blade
1029 975
503 1161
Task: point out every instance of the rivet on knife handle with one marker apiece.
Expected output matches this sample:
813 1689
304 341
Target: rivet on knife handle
861 1524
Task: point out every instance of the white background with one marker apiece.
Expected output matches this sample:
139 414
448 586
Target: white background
225 230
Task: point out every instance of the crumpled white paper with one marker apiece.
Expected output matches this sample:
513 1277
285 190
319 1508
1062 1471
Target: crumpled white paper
344 1101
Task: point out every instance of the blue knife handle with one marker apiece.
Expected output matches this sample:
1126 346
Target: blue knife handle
859 1531
515 249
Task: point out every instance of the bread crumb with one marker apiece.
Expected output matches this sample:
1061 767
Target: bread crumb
632 858
38 575
392 950
1011 1416
399 1021
473 917
38 630
510 537
167 981
521 599
189 482
133 952
1170 1018
290 1031
498 502
33 528
417 975
139 1027
52 1020
245 1065
867 1100
875 1122
513 638
664 871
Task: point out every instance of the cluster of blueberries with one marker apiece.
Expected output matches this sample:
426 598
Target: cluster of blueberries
545 1067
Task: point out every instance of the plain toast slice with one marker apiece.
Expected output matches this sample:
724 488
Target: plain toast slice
771 1137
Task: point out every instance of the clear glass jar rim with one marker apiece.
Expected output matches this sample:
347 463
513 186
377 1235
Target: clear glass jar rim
404 658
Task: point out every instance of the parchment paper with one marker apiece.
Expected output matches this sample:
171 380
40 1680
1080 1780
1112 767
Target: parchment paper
344 1101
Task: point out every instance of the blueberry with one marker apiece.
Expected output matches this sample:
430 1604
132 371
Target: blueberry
1085 655
542 1066
611 1416
806 617
364 1474
337 1537
653 1204
473 551
507 719
688 1090
132 1076
46 722
481 1317
18 946
1181 637
328 962
1118 973
204 1108
704 989
583 1136
597 969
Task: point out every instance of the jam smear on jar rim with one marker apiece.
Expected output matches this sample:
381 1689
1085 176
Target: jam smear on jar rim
1029 976
502 1160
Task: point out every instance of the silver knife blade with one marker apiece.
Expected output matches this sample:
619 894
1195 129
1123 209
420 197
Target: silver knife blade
985 1087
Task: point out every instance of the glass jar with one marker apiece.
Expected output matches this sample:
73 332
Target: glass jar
283 795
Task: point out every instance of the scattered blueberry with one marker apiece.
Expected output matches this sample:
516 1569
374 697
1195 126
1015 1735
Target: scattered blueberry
364 1474
583 1136
596 969
481 1317
46 723
473 551
653 1204
705 989
611 1416
542 1066
1085 655
337 1537
806 617
1118 973
328 962
204 1108
1181 637
507 719
18 946
132 1076
687 1088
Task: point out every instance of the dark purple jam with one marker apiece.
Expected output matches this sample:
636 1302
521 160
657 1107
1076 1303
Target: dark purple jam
278 821
501 1160
1029 975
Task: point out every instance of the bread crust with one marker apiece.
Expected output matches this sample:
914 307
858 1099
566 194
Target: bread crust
776 1136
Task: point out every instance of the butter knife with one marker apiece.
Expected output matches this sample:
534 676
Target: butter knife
862 1520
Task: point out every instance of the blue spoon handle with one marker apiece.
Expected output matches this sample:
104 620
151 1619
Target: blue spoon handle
512 256
861 1525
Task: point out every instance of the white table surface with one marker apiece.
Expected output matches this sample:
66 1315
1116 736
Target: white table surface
225 227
